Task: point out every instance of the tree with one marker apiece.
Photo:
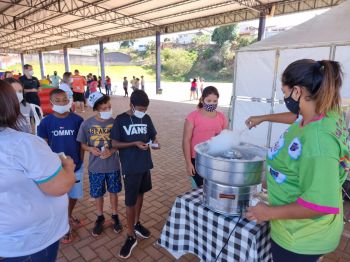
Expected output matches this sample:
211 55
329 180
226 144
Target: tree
201 40
177 63
224 33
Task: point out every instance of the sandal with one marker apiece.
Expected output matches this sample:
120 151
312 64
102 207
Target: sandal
67 238
75 222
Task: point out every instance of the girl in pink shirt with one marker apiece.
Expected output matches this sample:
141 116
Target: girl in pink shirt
201 125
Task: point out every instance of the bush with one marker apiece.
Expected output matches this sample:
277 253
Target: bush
208 53
176 63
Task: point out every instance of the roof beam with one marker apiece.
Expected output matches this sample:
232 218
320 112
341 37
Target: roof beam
82 9
21 24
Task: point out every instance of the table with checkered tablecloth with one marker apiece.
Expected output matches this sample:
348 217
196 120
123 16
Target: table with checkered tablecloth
193 228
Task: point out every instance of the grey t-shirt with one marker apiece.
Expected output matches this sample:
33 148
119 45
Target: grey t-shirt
97 134
24 122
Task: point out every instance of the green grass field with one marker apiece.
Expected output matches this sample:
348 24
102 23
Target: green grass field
116 73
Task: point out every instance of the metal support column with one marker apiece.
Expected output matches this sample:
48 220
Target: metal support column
22 62
102 64
262 22
42 66
66 59
158 68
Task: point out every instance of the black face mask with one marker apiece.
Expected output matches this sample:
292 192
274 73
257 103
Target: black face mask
291 104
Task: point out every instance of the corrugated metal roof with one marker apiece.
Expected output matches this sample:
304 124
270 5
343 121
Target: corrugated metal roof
33 25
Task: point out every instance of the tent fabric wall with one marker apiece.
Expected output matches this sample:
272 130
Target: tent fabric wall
259 67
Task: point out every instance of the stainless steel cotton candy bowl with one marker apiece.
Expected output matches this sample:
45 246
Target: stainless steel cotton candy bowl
231 178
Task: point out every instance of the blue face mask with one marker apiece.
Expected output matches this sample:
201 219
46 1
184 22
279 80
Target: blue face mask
210 107
292 105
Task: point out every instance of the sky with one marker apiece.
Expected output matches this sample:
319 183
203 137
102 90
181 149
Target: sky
279 21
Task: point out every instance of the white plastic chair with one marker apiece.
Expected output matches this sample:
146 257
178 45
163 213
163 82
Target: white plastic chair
37 118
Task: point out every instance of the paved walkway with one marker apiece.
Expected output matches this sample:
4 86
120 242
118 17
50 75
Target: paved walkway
169 180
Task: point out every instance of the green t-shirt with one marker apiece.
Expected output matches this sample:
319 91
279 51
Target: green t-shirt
308 165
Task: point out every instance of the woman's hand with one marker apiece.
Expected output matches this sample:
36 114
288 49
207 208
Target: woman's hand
190 170
67 164
253 121
258 213
95 151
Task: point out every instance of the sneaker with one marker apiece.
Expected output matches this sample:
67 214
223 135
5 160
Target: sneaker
141 231
98 228
129 245
117 227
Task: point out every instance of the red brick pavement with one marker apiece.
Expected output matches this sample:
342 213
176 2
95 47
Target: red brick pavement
169 180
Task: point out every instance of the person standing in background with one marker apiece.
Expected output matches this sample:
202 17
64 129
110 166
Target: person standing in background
132 82
78 91
125 87
31 85
99 83
108 86
55 79
142 83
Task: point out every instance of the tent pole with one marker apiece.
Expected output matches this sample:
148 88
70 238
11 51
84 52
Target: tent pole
102 64
42 66
22 62
66 59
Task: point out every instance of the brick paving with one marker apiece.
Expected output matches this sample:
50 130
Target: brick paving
169 180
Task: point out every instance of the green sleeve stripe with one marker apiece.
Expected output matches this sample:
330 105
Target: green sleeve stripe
50 177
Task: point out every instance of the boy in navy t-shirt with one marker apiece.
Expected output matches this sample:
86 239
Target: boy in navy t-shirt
60 131
133 134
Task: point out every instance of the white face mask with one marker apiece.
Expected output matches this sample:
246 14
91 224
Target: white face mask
137 113
31 72
106 114
61 109
19 96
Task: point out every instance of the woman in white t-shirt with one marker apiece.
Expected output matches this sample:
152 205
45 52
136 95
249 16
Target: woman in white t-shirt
33 186
66 83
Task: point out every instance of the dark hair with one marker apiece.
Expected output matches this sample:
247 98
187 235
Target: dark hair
94 77
103 100
13 80
9 109
194 80
209 90
26 66
76 71
139 98
322 79
56 92
66 75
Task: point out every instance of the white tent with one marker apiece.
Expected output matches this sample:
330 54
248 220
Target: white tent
258 68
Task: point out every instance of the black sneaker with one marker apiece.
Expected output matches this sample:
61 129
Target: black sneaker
141 231
98 228
128 246
117 227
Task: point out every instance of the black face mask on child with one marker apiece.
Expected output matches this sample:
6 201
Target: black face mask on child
292 105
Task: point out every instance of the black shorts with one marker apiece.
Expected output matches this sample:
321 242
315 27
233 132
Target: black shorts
283 255
136 184
197 178
78 97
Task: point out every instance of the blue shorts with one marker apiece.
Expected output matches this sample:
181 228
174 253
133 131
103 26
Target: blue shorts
77 190
98 182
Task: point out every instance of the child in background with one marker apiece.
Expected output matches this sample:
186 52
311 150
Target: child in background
94 134
133 134
201 125
60 130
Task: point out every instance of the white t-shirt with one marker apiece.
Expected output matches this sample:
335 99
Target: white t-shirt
66 88
30 220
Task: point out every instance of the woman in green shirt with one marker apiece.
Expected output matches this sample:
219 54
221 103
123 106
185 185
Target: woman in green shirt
307 166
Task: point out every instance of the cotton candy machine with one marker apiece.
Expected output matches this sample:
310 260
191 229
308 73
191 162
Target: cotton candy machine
231 178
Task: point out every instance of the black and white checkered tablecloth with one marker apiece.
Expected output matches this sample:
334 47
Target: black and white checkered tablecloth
193 228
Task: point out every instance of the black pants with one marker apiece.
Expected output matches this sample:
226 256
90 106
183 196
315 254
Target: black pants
197 178
280 254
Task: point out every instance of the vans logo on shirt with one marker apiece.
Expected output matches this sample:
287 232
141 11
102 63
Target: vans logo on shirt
63 132
136 129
